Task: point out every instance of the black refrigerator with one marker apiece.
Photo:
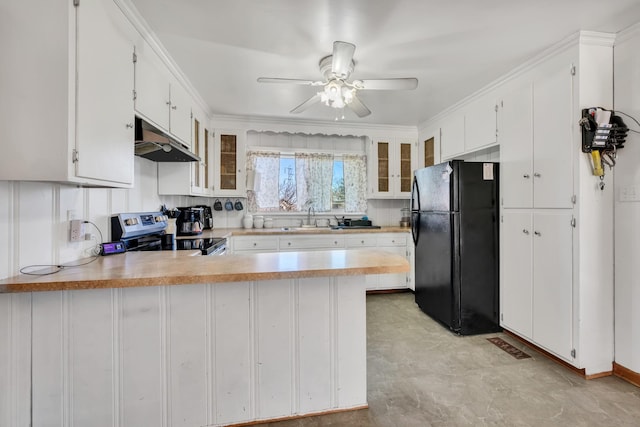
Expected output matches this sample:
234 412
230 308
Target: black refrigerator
454 223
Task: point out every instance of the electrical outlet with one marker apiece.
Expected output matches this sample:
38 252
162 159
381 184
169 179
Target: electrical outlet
76 233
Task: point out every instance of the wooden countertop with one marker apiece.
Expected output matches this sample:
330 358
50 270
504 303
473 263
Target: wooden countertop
229 232
136 269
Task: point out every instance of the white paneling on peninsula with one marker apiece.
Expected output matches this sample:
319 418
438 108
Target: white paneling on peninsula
183 355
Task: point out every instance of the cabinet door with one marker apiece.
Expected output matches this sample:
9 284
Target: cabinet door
553 282
553 122
402 172
381 155
393 280
452 136
516 148
480 123
230 158
180 116
516 273
152 87
104 137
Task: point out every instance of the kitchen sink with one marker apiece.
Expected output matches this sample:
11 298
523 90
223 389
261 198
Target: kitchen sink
354 227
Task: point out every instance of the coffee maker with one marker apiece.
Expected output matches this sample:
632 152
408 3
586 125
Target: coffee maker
189 221
207 216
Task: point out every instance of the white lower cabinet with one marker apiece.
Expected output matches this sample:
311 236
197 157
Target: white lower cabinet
396 243
254 244
310 242
537 278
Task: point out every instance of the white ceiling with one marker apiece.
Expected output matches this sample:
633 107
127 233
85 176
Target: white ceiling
453 47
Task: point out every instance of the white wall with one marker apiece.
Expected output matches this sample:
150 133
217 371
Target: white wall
627 213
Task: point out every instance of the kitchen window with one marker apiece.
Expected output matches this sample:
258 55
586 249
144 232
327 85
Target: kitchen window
296 182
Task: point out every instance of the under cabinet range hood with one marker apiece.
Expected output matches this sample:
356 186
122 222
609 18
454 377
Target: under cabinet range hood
153 144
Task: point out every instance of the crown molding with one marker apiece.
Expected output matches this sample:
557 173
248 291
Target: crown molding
627 34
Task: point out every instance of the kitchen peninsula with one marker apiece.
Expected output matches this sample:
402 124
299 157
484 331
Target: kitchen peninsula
172 339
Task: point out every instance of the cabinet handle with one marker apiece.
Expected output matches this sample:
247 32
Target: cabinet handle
362 241
526 176
335 242
255 244
289 243
537 233
129 125
525 231
168 102
174 107
536 175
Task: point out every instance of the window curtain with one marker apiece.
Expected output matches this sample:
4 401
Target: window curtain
355 182
314 173
262 187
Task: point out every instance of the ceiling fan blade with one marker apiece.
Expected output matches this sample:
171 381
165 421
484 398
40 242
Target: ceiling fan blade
306 104
387 84
358 107
290 81
342 58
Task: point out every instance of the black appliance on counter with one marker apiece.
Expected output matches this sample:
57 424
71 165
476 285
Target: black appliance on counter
189 221
145 231
454 222
207 216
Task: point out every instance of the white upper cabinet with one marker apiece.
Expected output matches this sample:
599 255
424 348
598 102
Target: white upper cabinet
554 117
190 178
229 160
391 167
104 101
481 123
180 112
152 87
67 77
160 98
536 139
516 147
452 135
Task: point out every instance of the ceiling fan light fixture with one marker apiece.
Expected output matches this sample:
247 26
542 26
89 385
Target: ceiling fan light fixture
336 94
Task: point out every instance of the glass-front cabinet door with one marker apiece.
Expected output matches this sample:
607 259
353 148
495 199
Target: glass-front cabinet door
383 167
229 164
405 173
392 167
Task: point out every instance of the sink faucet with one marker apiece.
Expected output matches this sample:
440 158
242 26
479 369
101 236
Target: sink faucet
309 215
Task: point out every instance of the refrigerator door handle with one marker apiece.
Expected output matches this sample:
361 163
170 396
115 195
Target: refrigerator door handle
415 226
415 195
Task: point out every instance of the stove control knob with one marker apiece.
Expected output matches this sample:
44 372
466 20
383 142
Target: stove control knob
130 221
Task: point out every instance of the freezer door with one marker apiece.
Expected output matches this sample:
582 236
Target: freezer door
437 188
436 267
478 185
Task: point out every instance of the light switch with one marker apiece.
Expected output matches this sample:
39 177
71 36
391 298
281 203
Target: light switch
629 194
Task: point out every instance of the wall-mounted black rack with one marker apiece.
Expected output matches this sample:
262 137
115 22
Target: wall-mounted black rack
604 136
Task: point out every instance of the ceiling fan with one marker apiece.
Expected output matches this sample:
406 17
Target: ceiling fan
337 91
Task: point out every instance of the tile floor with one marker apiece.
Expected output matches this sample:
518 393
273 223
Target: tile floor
419 374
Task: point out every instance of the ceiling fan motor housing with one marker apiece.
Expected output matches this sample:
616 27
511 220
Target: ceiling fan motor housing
325 66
